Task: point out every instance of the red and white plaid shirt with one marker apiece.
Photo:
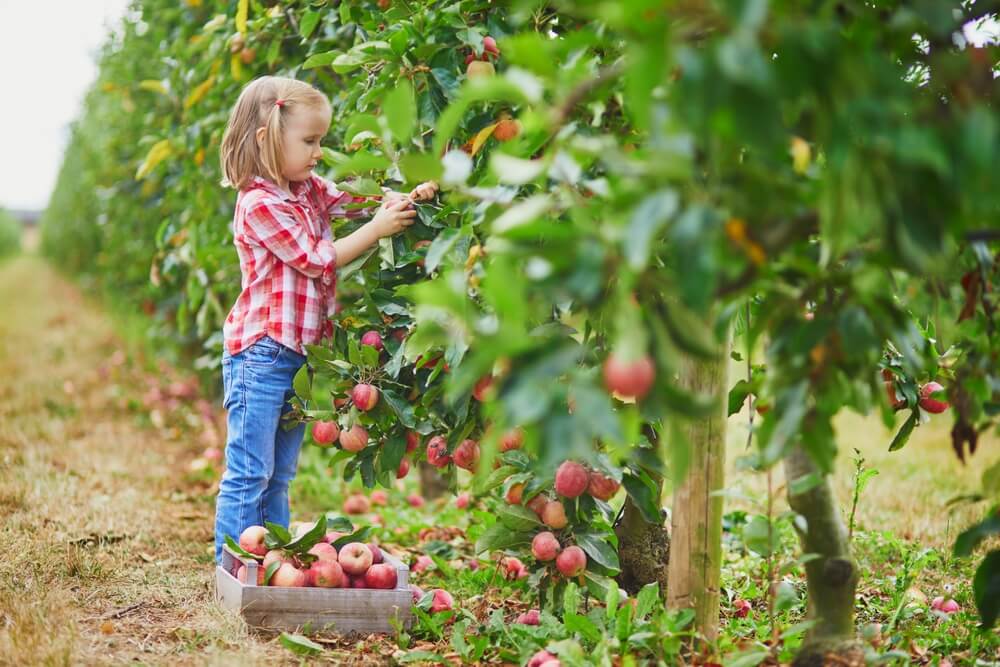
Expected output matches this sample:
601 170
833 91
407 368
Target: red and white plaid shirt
288 262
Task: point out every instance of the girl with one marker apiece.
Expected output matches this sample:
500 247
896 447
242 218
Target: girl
288 261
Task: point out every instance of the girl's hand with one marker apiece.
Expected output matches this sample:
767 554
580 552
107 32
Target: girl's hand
393 216
424 191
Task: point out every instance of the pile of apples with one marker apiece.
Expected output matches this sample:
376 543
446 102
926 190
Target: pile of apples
356 565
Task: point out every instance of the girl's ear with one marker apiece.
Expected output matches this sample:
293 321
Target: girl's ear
260 135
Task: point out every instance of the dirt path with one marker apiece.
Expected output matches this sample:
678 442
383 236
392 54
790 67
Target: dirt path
105 529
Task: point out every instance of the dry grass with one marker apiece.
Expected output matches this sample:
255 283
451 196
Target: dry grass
104 539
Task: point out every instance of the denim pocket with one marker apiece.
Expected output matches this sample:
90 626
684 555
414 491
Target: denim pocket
264 352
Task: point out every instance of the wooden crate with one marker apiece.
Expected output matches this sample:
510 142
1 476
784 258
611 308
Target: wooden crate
342 610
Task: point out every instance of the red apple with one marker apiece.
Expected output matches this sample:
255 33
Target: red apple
506 129
572 479
356 504
601 487
324 433
490 46
252 540
376 553
945 606
571 562
479 69
482 389
355 558
932 405
339 403
324 551
632 379
272 556
545 546
466 455
332 537
514 568
288 576
741 608
462 501
404 468
538 505
381 576
442 601
326 574
354 439
412 441
365 396
241 574
437 452
379 497
374 339
512 439
514 493
359 582
541 658
415 500
529 617
423 562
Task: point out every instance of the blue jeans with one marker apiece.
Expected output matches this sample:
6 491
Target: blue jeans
261 456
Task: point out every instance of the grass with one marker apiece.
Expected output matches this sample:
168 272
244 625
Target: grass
106 530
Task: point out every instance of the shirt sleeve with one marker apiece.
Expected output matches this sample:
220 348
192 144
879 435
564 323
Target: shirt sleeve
334 200
274 226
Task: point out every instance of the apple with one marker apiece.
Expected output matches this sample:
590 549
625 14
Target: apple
324 551
381 576
404 468
479 69
945 606
512 439
419 245
252 540
514 568
273 556
324 433
247 55
506 130
332 537
545 546
932 405
288 576
213 454
379 497
571 562
529 617
482 389
462 501
354 439
514 493
326 574
423 562
601 487
572 479
359 582
365 396
376 553
415 500
741 608
374 339
412 441
355 558
538 504
541 658
466 455
356 504
339 403
442 601
241 574
490 46
633 379
417 591
437 452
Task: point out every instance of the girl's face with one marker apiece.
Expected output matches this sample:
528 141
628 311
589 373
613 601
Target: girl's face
304 129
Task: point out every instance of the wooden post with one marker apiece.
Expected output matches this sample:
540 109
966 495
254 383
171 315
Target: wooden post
696 521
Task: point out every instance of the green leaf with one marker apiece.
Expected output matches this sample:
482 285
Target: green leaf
444 242
738 396
308 23
986 589
400 111
269 572
302 383
903 435
240 550
599 550
644 495
647 219
751 659
647 599
517 517
315 60
401 407
498 536
299 644
278 532
760 536
417 167
971 537
310 538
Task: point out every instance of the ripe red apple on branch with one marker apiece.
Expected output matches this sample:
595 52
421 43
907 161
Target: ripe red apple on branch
932 405
629 378
572 479
365 396
354 439
325 433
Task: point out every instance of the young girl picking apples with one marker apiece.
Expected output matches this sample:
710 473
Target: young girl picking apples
288 261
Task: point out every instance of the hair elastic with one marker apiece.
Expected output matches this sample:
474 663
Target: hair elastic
279 102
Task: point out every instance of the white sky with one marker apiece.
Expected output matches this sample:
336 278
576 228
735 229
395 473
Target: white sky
48 51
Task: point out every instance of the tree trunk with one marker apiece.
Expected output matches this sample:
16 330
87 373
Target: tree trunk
643 550
696 520
432 484
831 578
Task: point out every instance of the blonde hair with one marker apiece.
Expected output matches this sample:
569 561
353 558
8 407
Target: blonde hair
241 157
